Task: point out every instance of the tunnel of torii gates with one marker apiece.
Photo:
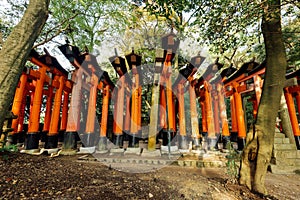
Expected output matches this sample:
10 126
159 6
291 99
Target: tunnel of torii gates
170 115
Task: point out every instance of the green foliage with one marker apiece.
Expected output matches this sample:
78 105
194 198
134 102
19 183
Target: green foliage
233 157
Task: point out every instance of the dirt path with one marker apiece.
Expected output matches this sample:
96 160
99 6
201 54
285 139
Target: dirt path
41 177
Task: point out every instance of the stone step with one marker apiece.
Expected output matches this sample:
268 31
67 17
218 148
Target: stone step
277 169
284 147
298 154
285 154
284 161
297 163
279 135
281 141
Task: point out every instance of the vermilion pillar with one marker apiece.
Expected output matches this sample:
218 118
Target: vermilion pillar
74 112
118 132
292 112
216 114
240 117
211 133
223 116
181 113
19 99
194 116
32 141
52 136
134 109
204 120
64 114
89 136
127 115
104 117
47 118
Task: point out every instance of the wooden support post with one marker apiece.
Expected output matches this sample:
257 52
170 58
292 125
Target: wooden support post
52 136
292 111
223 116
47 117
104 118
73 123
240 117
194 116
64 114
89 136
153 127
19 100
181 113
211 133
204 118
134 128
32 141
118 133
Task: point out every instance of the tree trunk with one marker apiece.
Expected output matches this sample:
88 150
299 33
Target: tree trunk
16 49
257 153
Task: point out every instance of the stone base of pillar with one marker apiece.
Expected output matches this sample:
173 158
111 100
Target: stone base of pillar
297 141
183 142
51 141
32 141
61 135
43 136
133 140
241 142
212 143
88 139
70 140
12 138
21 137
168 136
102 145
118 140
196 143
234 136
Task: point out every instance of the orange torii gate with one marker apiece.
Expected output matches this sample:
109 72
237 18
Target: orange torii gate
204 90
85 77
186 74
291 94
219 102
119 65
49 79
134 63
246 80
105 86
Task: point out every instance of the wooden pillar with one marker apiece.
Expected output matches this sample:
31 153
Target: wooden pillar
52 136
211 133
204 118
118 132
194 116
64 114
47 118
32 141
73 122
104 118
239 117
292 112
234 128
19 100
223 116
89 136
181 113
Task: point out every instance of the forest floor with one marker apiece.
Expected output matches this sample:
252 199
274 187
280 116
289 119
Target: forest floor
66 177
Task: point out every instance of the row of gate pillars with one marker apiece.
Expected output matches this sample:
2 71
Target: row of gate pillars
68 116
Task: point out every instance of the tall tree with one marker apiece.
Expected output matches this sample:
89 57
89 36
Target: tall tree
16 49
257 153
227 24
